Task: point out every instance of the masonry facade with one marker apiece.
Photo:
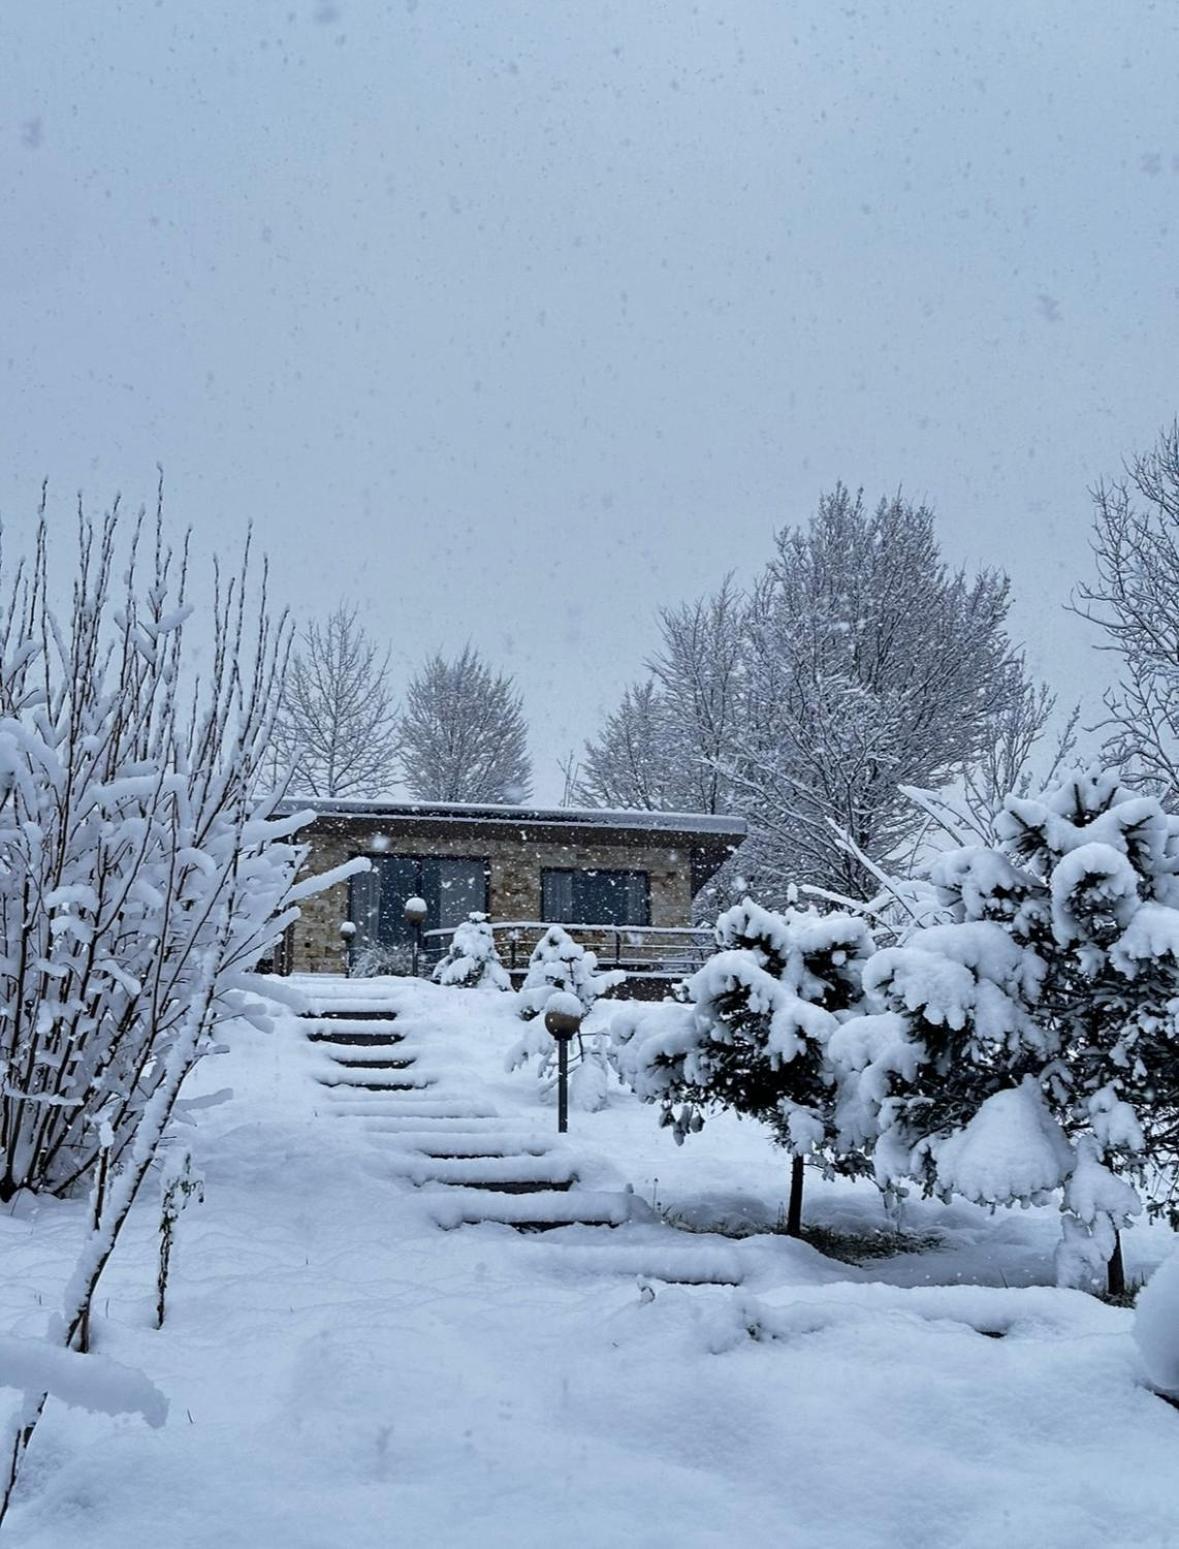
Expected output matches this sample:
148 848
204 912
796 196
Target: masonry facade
513 863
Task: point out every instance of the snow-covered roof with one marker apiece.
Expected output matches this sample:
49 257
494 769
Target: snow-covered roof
702 823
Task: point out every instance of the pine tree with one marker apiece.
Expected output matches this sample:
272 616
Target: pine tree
561 965
753 1033
472 961
1031 1042
558 962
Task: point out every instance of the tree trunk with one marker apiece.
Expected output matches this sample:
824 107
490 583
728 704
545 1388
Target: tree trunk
1115 1270
794 1210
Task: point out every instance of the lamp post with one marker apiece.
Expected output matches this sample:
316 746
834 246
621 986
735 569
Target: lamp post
347 936
414 914
562 1021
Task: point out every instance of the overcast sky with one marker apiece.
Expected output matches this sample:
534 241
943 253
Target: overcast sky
510 320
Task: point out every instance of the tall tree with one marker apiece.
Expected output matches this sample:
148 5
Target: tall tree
1135 601
666 745
463 734
856 664
337 727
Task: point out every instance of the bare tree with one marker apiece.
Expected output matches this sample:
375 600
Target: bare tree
336 732
1009 763
1135 602
857 663
665 746
463 735
634 762
143 874
872 666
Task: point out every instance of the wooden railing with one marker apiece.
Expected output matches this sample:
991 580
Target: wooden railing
668 951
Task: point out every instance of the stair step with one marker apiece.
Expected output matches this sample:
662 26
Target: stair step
444 1110
504 1186
514 1174
342 1083
350 1015
433 1126
386 1063
531 1212
356 1040
446 1142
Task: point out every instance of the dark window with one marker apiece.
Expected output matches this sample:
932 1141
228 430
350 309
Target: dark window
597 897
453 886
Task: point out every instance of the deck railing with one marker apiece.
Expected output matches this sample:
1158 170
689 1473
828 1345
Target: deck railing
668 951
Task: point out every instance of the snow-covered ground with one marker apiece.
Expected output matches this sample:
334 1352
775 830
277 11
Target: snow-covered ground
343 1372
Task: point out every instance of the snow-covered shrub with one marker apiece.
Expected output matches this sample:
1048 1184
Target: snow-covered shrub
1031 1042
558 963
561 966
753 1032
471 960
142 876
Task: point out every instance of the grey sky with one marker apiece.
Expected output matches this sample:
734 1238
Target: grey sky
514 320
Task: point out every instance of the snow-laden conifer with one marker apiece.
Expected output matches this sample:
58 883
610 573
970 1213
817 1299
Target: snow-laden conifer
753 1031
472 961
1030 1043
559 965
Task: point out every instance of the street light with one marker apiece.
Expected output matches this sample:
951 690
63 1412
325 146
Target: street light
414 913
347 937
562 1020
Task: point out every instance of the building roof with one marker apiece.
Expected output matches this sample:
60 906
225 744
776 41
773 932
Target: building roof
704 828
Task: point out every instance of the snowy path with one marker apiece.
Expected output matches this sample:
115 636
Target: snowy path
345 1375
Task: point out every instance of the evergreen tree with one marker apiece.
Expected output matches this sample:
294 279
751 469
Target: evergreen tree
1031 1042
561 965
471 961
753 1031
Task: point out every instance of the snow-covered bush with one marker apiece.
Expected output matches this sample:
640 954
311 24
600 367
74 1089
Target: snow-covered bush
1031 1043
141 874
560 966
753 1032
558 963
471 961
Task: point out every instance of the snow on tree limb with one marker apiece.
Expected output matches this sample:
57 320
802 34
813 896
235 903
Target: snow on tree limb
93 1382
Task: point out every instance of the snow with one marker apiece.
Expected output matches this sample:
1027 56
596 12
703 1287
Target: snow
1012 1149
87 1382
1156 1326
342 1371
565 817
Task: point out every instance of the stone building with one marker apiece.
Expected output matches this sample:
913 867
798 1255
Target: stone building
520 865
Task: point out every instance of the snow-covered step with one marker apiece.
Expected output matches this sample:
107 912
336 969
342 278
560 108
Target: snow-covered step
345 1014
446 1108
448 1141
349 1037
514 1174
536 1212
473 1126
576 1253
410 1079
390 1057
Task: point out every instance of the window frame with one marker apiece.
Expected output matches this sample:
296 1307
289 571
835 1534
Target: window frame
577 916
403 935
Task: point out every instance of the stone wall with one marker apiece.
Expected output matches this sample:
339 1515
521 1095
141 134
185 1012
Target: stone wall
515 862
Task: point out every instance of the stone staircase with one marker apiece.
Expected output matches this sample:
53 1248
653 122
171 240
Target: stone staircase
474 1165
431 1131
